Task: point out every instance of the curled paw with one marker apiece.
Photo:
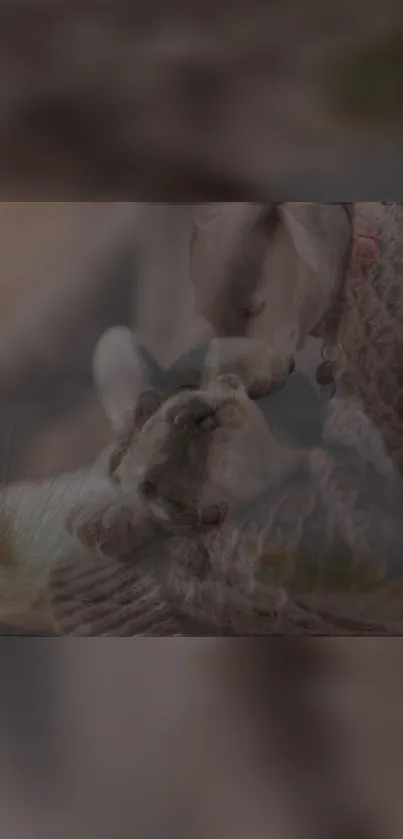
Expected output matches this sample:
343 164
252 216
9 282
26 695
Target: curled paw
114 530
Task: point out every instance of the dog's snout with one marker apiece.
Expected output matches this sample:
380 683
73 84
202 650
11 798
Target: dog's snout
291 366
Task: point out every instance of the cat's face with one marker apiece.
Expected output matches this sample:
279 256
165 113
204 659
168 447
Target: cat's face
197 453
194 454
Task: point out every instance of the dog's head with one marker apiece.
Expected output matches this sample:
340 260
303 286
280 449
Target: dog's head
274 269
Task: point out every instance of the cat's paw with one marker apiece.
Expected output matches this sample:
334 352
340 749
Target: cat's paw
114 530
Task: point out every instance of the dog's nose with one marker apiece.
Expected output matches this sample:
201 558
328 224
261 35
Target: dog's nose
291 367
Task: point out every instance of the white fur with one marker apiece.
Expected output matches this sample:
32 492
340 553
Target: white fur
118 373
34 513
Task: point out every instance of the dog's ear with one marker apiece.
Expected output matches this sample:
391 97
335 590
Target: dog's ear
119 373
320 235
321 238
223 261
301 221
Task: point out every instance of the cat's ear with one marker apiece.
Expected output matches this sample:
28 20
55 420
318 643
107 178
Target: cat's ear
119 373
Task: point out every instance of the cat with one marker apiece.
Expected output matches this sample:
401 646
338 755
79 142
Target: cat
254 531
33 514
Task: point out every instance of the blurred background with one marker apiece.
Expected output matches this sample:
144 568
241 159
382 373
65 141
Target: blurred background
201 738
67 272
172 101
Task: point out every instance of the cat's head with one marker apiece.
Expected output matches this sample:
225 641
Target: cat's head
199 449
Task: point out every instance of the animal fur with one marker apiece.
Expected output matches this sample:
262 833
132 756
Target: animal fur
346 417
371 331
36 516
233 503
289 257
